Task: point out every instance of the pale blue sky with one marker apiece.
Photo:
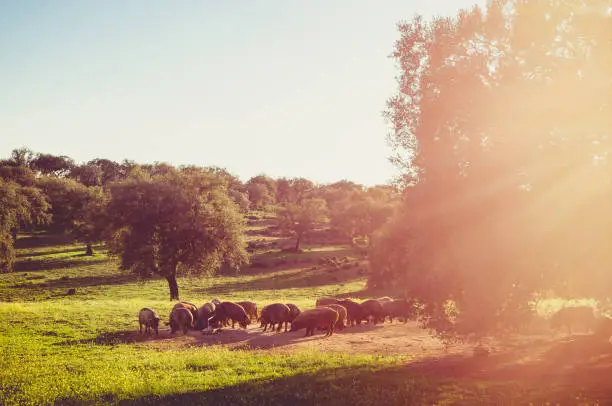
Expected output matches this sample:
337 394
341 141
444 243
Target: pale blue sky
286 88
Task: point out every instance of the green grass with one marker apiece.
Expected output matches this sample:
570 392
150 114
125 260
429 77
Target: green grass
59 349
40 368
51 343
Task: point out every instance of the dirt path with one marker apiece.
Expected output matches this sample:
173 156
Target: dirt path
387 339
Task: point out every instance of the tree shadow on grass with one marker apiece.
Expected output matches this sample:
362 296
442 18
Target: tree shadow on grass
81 282
191 338
51 252
132 336
272 339
42 240
237 339
34 265
451 380
112 338
277 281
278 259
580 363
341 386
542 373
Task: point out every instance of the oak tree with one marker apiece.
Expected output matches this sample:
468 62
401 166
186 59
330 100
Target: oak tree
19 206
167 221
301 218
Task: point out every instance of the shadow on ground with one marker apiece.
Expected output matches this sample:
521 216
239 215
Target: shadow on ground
451 380
354 386
34 265
81 282
280 259
567 370
42 240
238 339
571 370
280 280
50 252
112 338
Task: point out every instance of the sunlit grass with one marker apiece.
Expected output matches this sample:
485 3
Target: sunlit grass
48 339
547 307
65 349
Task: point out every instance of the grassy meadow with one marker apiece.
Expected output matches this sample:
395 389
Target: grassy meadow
84 348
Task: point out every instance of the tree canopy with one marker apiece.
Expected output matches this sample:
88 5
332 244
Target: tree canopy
300 218
19 206
174 220
501 126
75 208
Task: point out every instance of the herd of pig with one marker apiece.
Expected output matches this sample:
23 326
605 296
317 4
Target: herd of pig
329 314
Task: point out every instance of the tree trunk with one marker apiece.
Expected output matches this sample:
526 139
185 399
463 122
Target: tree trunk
174 293
14 235
89 250
297 242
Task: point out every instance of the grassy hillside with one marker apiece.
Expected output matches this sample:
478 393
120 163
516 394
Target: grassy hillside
83 348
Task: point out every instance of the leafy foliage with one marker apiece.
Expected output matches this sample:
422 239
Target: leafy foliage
68 199
261 190
48 164
501 125
301 218
19 205
362 216
172 220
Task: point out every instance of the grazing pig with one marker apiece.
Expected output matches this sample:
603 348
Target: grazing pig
374 311
294 311
313 318
205 313
180 319
223 323
354 311
398 308
578 316
230 311
275 313
341 315
189 306
250 308
149 319
324 301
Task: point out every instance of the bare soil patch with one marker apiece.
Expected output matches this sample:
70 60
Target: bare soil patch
387 339
543 358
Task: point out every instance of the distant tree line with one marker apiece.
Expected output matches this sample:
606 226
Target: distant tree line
165 220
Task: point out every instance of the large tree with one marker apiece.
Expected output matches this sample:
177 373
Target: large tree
48 164
29 206
301 218
261 190
167 221
362 216
20 157
19 206
76 209
501 125
16 168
